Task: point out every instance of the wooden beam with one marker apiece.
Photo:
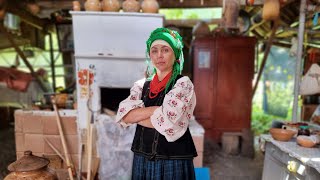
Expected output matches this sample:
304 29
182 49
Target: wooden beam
197 3
191 22
17 8
266 53
189 3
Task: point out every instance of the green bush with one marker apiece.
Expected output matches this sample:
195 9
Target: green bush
260 121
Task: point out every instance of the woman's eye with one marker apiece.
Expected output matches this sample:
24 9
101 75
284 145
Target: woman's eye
165 50
154 51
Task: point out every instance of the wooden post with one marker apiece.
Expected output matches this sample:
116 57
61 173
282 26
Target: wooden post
63 140
265 56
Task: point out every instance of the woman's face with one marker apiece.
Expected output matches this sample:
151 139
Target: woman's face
162 58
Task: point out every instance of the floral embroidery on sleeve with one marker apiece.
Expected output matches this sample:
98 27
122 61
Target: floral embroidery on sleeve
133 101
160 120
171 115
172 118
169 132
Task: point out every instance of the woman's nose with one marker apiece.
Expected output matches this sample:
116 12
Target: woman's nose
160 54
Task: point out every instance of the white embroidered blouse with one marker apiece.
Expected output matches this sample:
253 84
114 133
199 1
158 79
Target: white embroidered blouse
171 119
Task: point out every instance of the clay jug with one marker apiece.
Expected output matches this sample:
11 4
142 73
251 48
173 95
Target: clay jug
131 6
271 10
92 5
30 167
110 5
150 6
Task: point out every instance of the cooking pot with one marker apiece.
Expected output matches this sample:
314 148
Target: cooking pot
30 167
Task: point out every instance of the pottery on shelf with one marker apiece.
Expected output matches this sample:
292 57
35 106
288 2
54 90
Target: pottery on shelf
110 5
76 6
150 6
92 5
131 6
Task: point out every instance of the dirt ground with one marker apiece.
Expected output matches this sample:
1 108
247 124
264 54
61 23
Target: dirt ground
222 166
231 167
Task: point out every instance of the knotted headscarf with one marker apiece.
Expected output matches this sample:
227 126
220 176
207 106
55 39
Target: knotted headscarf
174 39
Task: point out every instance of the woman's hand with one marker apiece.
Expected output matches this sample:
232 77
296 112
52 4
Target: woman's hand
146 123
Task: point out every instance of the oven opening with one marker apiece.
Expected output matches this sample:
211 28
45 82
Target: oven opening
111 97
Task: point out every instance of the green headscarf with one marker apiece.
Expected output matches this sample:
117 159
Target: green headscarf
175 41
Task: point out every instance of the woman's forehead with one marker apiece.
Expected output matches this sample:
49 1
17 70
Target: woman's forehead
157 46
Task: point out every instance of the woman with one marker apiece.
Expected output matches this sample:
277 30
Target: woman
163 147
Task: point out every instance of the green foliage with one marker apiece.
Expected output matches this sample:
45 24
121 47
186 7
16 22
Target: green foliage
260 121
172 14
279 98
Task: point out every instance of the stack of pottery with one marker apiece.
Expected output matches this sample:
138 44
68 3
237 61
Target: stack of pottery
131 6
92 5
110 5
150 6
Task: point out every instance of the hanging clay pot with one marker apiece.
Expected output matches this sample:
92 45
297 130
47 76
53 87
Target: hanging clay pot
150 6
110 5
76 6
271 10
92 5
131 6
2 14
33 8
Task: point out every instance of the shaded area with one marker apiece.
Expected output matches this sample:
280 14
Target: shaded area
7 150
222 166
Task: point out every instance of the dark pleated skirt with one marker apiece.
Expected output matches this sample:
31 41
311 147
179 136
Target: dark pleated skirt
144 169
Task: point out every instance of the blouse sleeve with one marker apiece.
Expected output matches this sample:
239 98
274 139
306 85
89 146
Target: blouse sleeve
172 118
133 101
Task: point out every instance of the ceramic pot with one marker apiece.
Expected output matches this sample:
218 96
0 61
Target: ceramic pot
2 14
76 6
150 6
33 8
131 6
110 5
271 10
92 5
30 167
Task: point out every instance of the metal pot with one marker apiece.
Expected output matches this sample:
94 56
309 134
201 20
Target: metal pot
30 167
